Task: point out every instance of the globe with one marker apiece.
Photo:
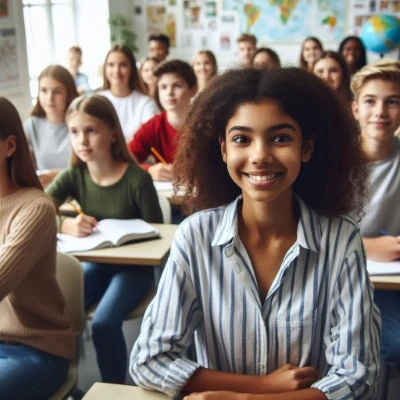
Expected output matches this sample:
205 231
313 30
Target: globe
381 33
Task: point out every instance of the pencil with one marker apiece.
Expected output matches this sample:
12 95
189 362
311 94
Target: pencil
158 155
76 209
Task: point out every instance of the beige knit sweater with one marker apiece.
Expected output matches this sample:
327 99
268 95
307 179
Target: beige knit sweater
31 303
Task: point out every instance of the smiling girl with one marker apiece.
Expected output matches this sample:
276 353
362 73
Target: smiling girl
311 50
122 86
332 68
46 130
269 279
205 67
107 183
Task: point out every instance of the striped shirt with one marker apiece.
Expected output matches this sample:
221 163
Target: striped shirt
319 310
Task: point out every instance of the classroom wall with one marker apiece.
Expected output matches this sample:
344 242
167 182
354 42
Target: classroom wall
14 85
205 38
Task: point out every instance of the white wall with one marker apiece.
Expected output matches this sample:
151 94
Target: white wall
19 96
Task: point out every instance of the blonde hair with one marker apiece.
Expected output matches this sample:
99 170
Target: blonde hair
211 58
386 70
21 169
62 75
101 108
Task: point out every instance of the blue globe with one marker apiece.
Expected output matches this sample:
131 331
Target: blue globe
381 33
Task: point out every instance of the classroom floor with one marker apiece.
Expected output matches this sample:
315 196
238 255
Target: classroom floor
89 373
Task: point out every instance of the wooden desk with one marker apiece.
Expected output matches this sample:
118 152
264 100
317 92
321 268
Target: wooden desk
386 282
149 252
107 391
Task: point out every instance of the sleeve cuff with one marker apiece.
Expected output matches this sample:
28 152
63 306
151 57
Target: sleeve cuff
179 373
334 388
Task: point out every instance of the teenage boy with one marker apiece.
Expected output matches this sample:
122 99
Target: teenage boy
376 106
74 61
246 49
159 46
176 85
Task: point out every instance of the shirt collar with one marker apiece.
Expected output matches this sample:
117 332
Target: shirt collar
308 228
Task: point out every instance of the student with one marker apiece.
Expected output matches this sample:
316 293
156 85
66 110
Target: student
353 51
159 46
176 85
311 50
246 48
147 77
46 130
122 86
107 183
36 339
205 67
74 59
260 168
332 68
266 58
376 106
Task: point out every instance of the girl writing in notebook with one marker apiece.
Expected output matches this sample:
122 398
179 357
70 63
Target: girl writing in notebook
107 183
36 340
269 280
46 129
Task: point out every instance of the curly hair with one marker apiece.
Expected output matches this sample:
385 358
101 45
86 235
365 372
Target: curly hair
332 182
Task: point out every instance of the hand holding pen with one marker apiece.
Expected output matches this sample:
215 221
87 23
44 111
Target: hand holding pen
81 225
162 171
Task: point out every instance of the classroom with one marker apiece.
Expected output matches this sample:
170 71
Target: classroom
199 199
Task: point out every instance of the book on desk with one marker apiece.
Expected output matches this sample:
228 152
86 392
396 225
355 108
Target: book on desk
383 268
108 233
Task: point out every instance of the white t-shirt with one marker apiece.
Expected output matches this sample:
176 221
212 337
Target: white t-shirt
132 110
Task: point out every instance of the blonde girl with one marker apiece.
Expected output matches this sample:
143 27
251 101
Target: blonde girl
147 77
205 67
36 340
107 183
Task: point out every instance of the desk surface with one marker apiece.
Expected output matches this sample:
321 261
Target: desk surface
386 282
149 252
107 391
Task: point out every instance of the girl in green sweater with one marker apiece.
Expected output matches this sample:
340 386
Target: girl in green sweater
107 183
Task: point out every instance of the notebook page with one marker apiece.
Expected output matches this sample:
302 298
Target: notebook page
383 268
68 243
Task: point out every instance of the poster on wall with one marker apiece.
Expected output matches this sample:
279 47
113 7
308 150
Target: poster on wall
290 20
9 68
156 18
361 11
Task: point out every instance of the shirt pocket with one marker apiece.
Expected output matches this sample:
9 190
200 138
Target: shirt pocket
294 340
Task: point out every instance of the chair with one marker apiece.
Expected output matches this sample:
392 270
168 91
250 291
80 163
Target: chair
69 276
165 208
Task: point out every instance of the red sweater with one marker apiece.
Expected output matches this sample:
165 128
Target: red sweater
157 133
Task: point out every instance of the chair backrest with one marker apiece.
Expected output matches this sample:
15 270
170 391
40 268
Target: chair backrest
70 279
165 208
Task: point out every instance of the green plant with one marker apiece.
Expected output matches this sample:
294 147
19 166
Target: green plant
122 33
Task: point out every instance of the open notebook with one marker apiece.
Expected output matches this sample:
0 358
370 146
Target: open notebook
383 268
108 233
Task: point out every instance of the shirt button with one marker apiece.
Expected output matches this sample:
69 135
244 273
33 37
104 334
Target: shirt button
261 365
228 251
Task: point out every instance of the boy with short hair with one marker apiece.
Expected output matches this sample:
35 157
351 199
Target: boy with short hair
74 59
376 106
159 46
176 85
246 48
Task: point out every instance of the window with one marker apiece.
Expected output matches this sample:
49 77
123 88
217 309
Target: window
52 26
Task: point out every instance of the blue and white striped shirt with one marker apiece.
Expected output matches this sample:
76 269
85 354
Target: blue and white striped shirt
319 310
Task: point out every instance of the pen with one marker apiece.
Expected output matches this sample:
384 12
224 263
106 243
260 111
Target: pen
76 209
158 155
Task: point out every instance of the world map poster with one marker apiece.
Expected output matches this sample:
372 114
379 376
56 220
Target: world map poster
290 20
